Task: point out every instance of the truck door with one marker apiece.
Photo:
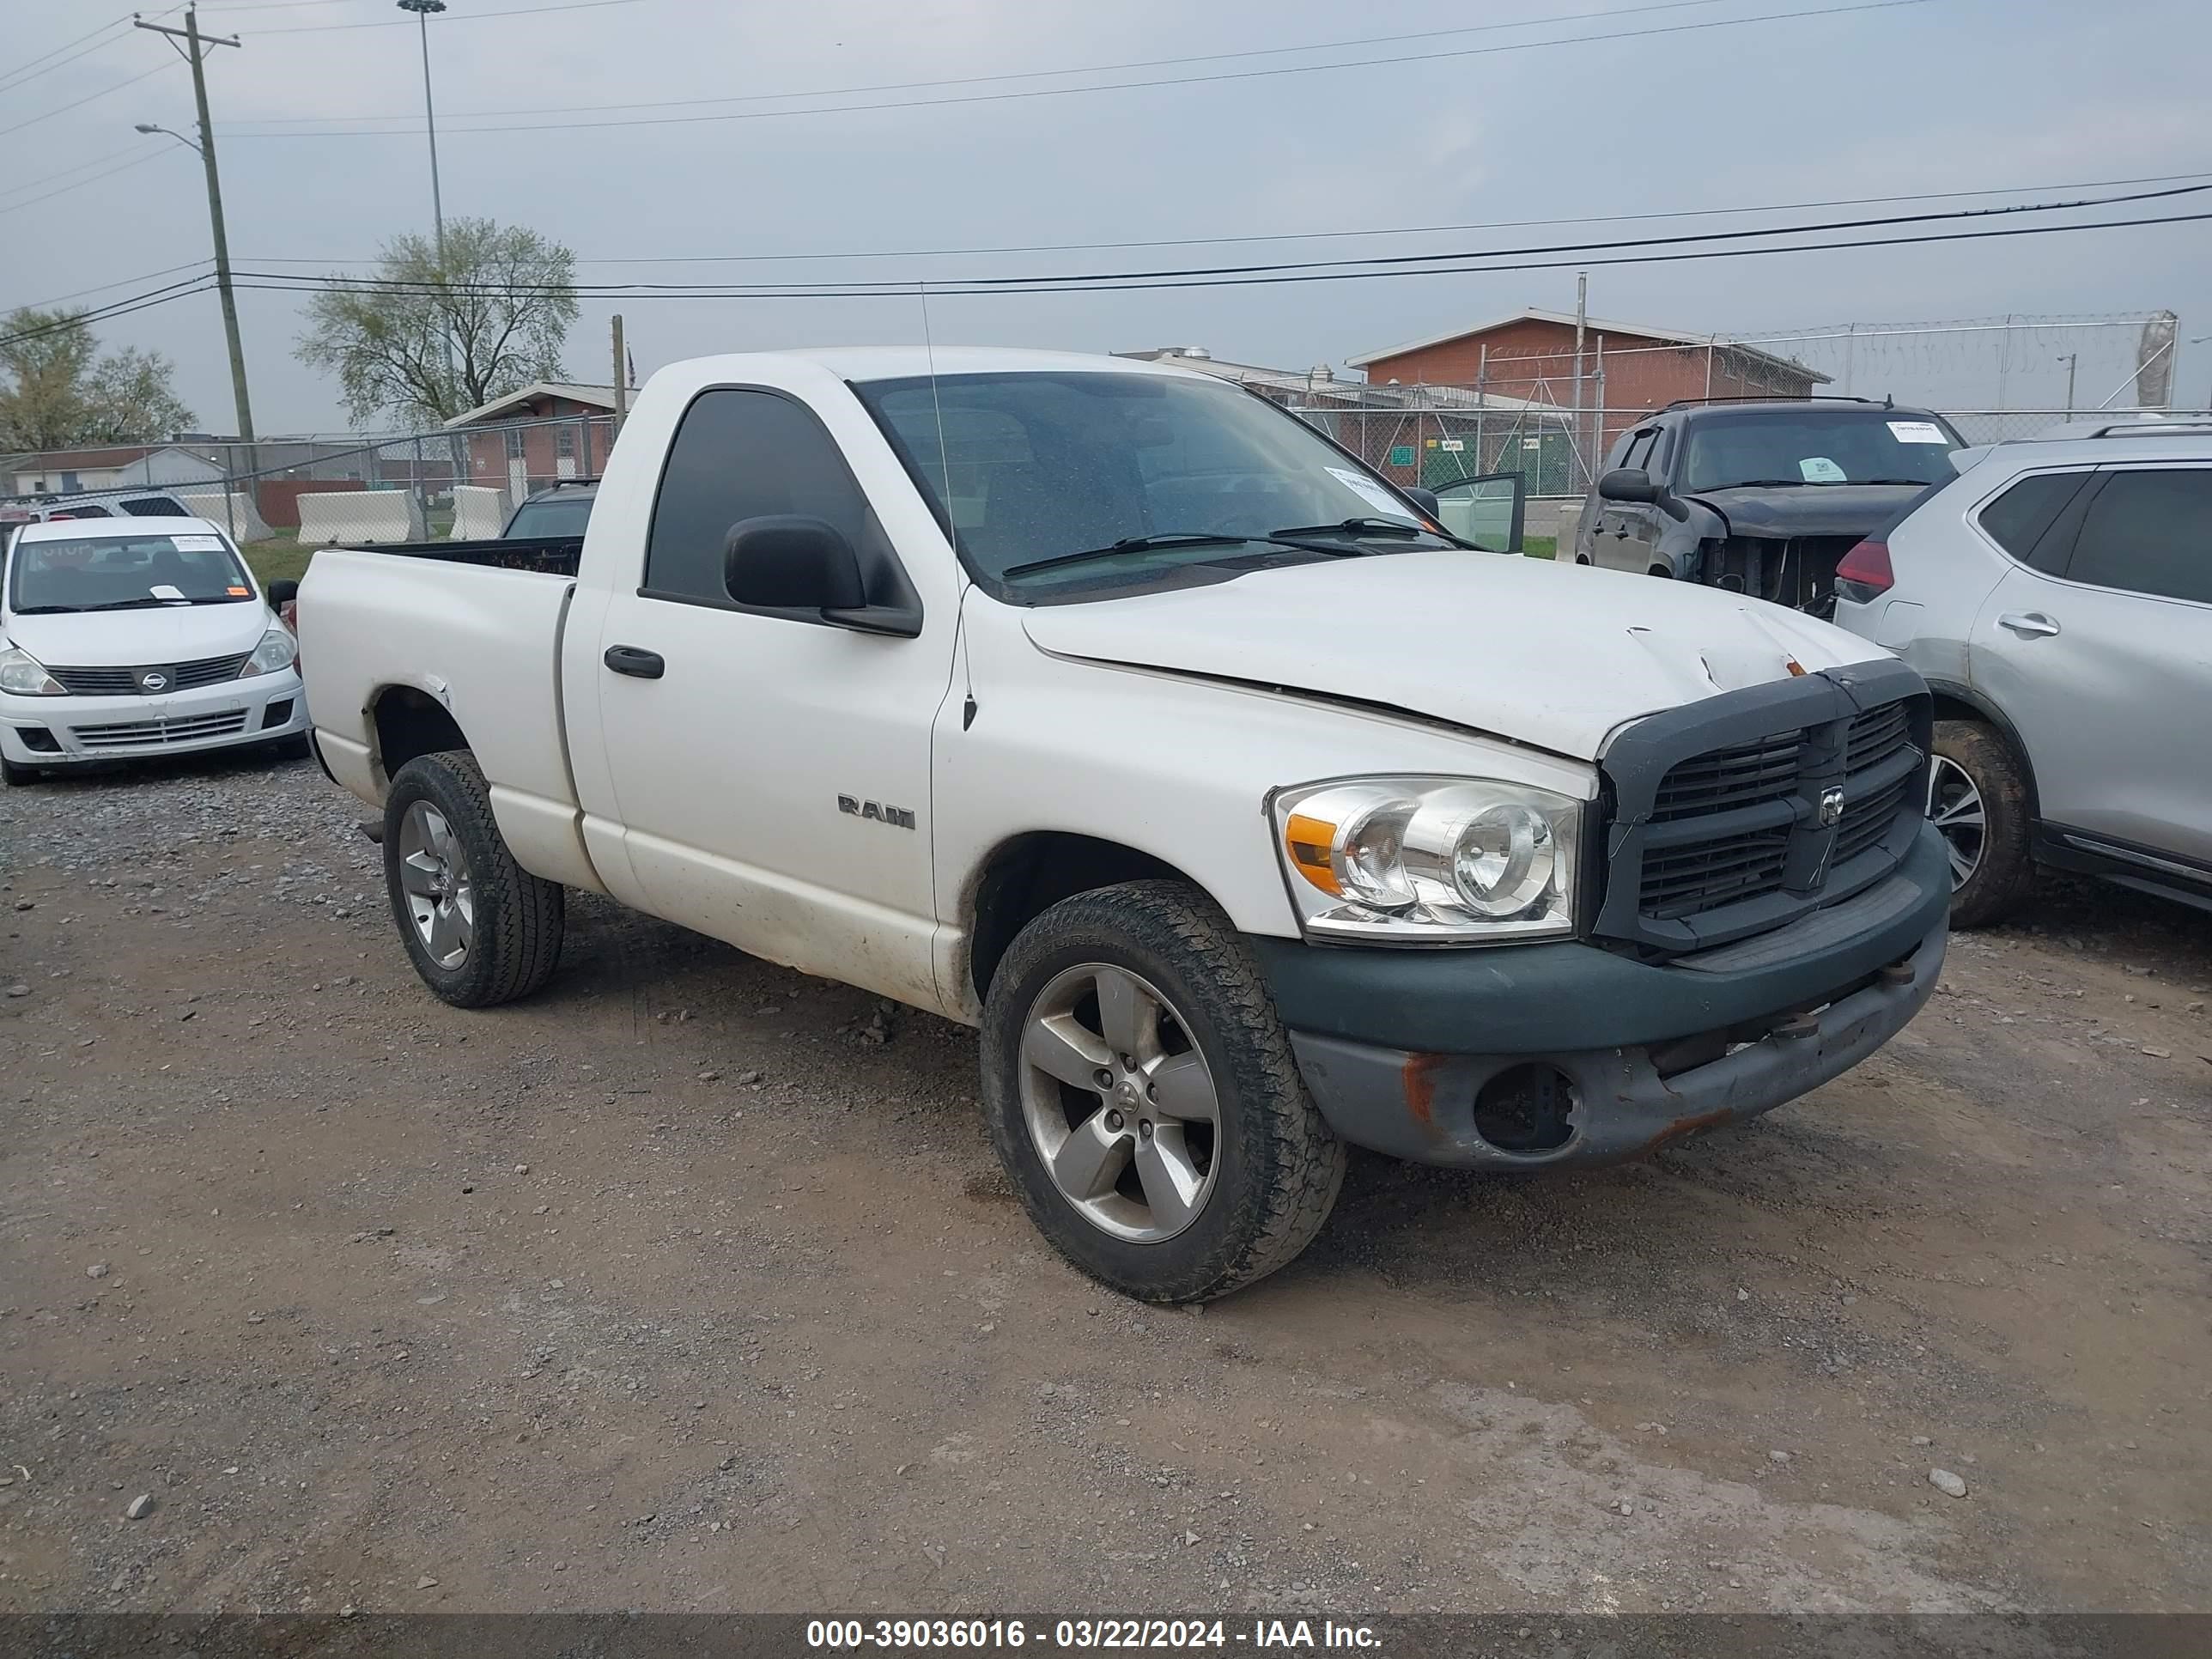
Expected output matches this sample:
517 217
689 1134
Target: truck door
2102 660
771 769
1628 531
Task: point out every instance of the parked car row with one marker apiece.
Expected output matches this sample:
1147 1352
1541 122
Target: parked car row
2056 594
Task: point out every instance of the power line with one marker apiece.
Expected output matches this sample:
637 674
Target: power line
102 287
1313 236
121 167
454 17
1059 282
1119 86
1030 75
30 70
163 295
90 162
81 102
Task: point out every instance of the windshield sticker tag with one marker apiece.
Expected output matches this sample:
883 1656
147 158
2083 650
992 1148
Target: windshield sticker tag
165 590
1371 492
1818 469
237 591
1917 432
198 544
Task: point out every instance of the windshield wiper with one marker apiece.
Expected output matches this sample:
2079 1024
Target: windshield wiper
132 605
1146 544
46 609
1354 527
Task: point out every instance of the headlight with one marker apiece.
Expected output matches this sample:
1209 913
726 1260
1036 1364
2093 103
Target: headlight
24 675
277 649
1424 860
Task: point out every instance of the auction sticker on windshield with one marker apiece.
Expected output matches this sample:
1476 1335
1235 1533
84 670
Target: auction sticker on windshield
198 544
1917 432
1370 492
1818 469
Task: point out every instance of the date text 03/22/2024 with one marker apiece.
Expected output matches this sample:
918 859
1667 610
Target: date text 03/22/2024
1170 1634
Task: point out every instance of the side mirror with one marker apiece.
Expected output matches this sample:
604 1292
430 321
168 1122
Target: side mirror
279 594
787 561
1627 483
1424 499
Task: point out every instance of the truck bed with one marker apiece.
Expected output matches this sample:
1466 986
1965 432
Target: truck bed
549 556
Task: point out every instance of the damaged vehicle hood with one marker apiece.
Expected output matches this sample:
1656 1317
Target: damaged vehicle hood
1554 656
1813 510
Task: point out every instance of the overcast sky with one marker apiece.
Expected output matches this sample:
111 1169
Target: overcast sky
1940 95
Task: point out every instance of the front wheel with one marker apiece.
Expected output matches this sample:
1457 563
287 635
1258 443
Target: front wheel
1142 1095
478 927
16 775
1977 801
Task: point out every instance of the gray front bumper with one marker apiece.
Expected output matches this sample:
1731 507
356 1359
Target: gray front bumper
1622 1056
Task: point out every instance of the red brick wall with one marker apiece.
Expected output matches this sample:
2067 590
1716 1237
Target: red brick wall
1535 359
589 440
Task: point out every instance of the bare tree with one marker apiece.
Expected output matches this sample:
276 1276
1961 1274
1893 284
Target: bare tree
425 338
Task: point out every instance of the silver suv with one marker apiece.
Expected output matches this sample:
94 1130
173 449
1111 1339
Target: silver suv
2057 595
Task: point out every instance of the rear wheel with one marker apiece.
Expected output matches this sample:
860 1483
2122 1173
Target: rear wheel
479 928
1977 800
1142 1095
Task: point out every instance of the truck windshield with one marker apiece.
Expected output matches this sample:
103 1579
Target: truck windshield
1816 447
556 515
1144 472
123 571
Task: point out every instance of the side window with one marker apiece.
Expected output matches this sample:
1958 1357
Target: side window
2019 520
744 455
1640 445
2150 532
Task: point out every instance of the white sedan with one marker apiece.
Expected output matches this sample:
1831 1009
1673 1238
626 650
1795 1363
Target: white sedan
125 638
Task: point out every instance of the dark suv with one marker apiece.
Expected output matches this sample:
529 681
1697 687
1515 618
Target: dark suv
1760 495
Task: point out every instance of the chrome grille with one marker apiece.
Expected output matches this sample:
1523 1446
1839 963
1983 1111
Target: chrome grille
133 733
124 682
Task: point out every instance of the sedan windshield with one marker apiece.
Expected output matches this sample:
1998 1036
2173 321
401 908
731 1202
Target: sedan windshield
1080 478
1814 446
124 572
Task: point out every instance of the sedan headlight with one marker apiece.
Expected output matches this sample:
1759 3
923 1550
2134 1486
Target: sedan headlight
1427 861
27 677
277 650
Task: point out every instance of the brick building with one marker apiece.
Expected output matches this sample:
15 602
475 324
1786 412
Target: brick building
1531 356
545 432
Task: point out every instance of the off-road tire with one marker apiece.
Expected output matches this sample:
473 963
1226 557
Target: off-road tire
2007 870
1278 1166
518 918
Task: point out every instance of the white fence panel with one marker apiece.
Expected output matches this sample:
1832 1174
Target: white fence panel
359 515
238 515
480 512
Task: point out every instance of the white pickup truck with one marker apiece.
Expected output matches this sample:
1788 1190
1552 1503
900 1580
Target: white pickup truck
1247 811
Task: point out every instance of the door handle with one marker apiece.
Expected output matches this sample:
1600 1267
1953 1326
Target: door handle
2030 625
638 664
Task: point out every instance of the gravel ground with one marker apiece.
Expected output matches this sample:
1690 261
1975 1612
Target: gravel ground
692 1284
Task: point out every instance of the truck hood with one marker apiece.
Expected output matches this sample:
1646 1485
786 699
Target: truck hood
1816 510
1554 656
131 639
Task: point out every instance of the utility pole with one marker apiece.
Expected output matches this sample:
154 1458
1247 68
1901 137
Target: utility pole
2070 360
621 377
195 53
1582 395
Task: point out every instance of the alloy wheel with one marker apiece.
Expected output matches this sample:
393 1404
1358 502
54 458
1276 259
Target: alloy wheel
434 877
1119 1103
1955 806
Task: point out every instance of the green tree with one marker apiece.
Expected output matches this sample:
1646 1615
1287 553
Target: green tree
58 391
427 338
